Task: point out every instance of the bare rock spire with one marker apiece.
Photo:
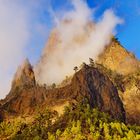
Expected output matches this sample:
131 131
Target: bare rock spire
24 75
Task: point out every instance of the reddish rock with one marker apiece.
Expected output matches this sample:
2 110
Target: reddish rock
87 84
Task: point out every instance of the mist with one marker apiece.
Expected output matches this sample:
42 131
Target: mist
19 27
14 35
76 38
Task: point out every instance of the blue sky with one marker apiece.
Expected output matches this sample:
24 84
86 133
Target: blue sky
128 33
25 26
129 10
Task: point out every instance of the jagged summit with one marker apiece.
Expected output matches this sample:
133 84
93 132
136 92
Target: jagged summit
24 75
88 83
118 59
24 79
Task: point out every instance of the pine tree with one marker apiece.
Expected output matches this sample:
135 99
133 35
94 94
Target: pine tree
75 69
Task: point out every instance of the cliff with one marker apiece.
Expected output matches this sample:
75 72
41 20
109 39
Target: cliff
88 84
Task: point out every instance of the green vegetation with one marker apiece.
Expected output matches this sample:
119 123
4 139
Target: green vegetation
11 128
79 122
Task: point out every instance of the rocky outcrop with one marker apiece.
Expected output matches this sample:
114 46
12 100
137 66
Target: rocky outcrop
131 98
21 96
24 75
87 84
23 78
99 90
24 101
131 101
118 59
90 84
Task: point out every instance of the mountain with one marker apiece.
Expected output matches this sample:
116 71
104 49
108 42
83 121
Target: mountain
24 75
116 58
110 84
87 84
126 67
24 94
99 101
91 103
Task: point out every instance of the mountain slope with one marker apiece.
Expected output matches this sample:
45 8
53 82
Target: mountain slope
118 59
126 67
88 84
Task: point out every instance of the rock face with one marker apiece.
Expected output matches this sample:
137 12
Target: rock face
21 96
23 78
131 98
24 75
100 91
87 84
131 101
118 59
24 101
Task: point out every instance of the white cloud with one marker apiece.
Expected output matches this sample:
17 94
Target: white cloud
17 27
14 36
75 41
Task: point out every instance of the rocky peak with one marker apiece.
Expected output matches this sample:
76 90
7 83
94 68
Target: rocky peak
87 84
24 75
116 58
91 83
